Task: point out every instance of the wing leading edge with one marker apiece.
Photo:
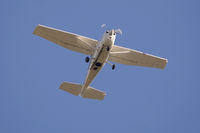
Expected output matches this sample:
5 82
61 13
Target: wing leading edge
67 40
132 57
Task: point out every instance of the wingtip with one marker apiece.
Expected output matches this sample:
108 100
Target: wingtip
36 29
166 61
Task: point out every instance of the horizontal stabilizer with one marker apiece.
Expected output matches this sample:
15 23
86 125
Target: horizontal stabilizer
89 92
93 94
72 88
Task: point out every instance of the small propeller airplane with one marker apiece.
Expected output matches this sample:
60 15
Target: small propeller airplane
100 52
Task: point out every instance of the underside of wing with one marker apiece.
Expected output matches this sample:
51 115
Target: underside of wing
67 40
132 57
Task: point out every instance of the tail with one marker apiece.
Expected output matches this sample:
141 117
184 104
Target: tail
89 92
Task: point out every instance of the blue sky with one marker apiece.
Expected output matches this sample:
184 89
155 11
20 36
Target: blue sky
138 99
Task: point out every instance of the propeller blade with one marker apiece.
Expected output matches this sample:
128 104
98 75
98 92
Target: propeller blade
118 31
103 25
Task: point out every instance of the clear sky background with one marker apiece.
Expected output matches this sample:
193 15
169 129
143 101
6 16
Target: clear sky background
140 100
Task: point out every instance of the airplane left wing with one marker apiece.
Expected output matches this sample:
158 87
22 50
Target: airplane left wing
67 40
132 57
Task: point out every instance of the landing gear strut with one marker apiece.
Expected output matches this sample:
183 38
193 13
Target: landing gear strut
113 65
87 59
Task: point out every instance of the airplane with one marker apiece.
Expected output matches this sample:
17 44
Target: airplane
100 52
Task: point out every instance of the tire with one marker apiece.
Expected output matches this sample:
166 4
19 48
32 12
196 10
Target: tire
108 48
113 66
87 59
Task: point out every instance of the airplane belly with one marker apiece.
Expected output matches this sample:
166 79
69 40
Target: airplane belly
96 66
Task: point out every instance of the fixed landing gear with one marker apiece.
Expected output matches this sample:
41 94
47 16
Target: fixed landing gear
113 66
87 59
98 64
108 48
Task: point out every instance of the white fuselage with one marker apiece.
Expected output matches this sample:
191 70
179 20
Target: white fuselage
99 57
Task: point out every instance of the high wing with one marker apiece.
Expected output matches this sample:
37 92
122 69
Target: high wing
67 40
132 57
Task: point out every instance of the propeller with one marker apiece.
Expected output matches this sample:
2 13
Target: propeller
116 31
103 25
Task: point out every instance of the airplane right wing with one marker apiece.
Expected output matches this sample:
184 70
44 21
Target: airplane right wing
67 40
132 57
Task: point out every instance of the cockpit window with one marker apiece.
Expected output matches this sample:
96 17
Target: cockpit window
112 32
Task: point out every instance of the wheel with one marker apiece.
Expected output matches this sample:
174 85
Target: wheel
113 66
98 64
87 59
108 48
